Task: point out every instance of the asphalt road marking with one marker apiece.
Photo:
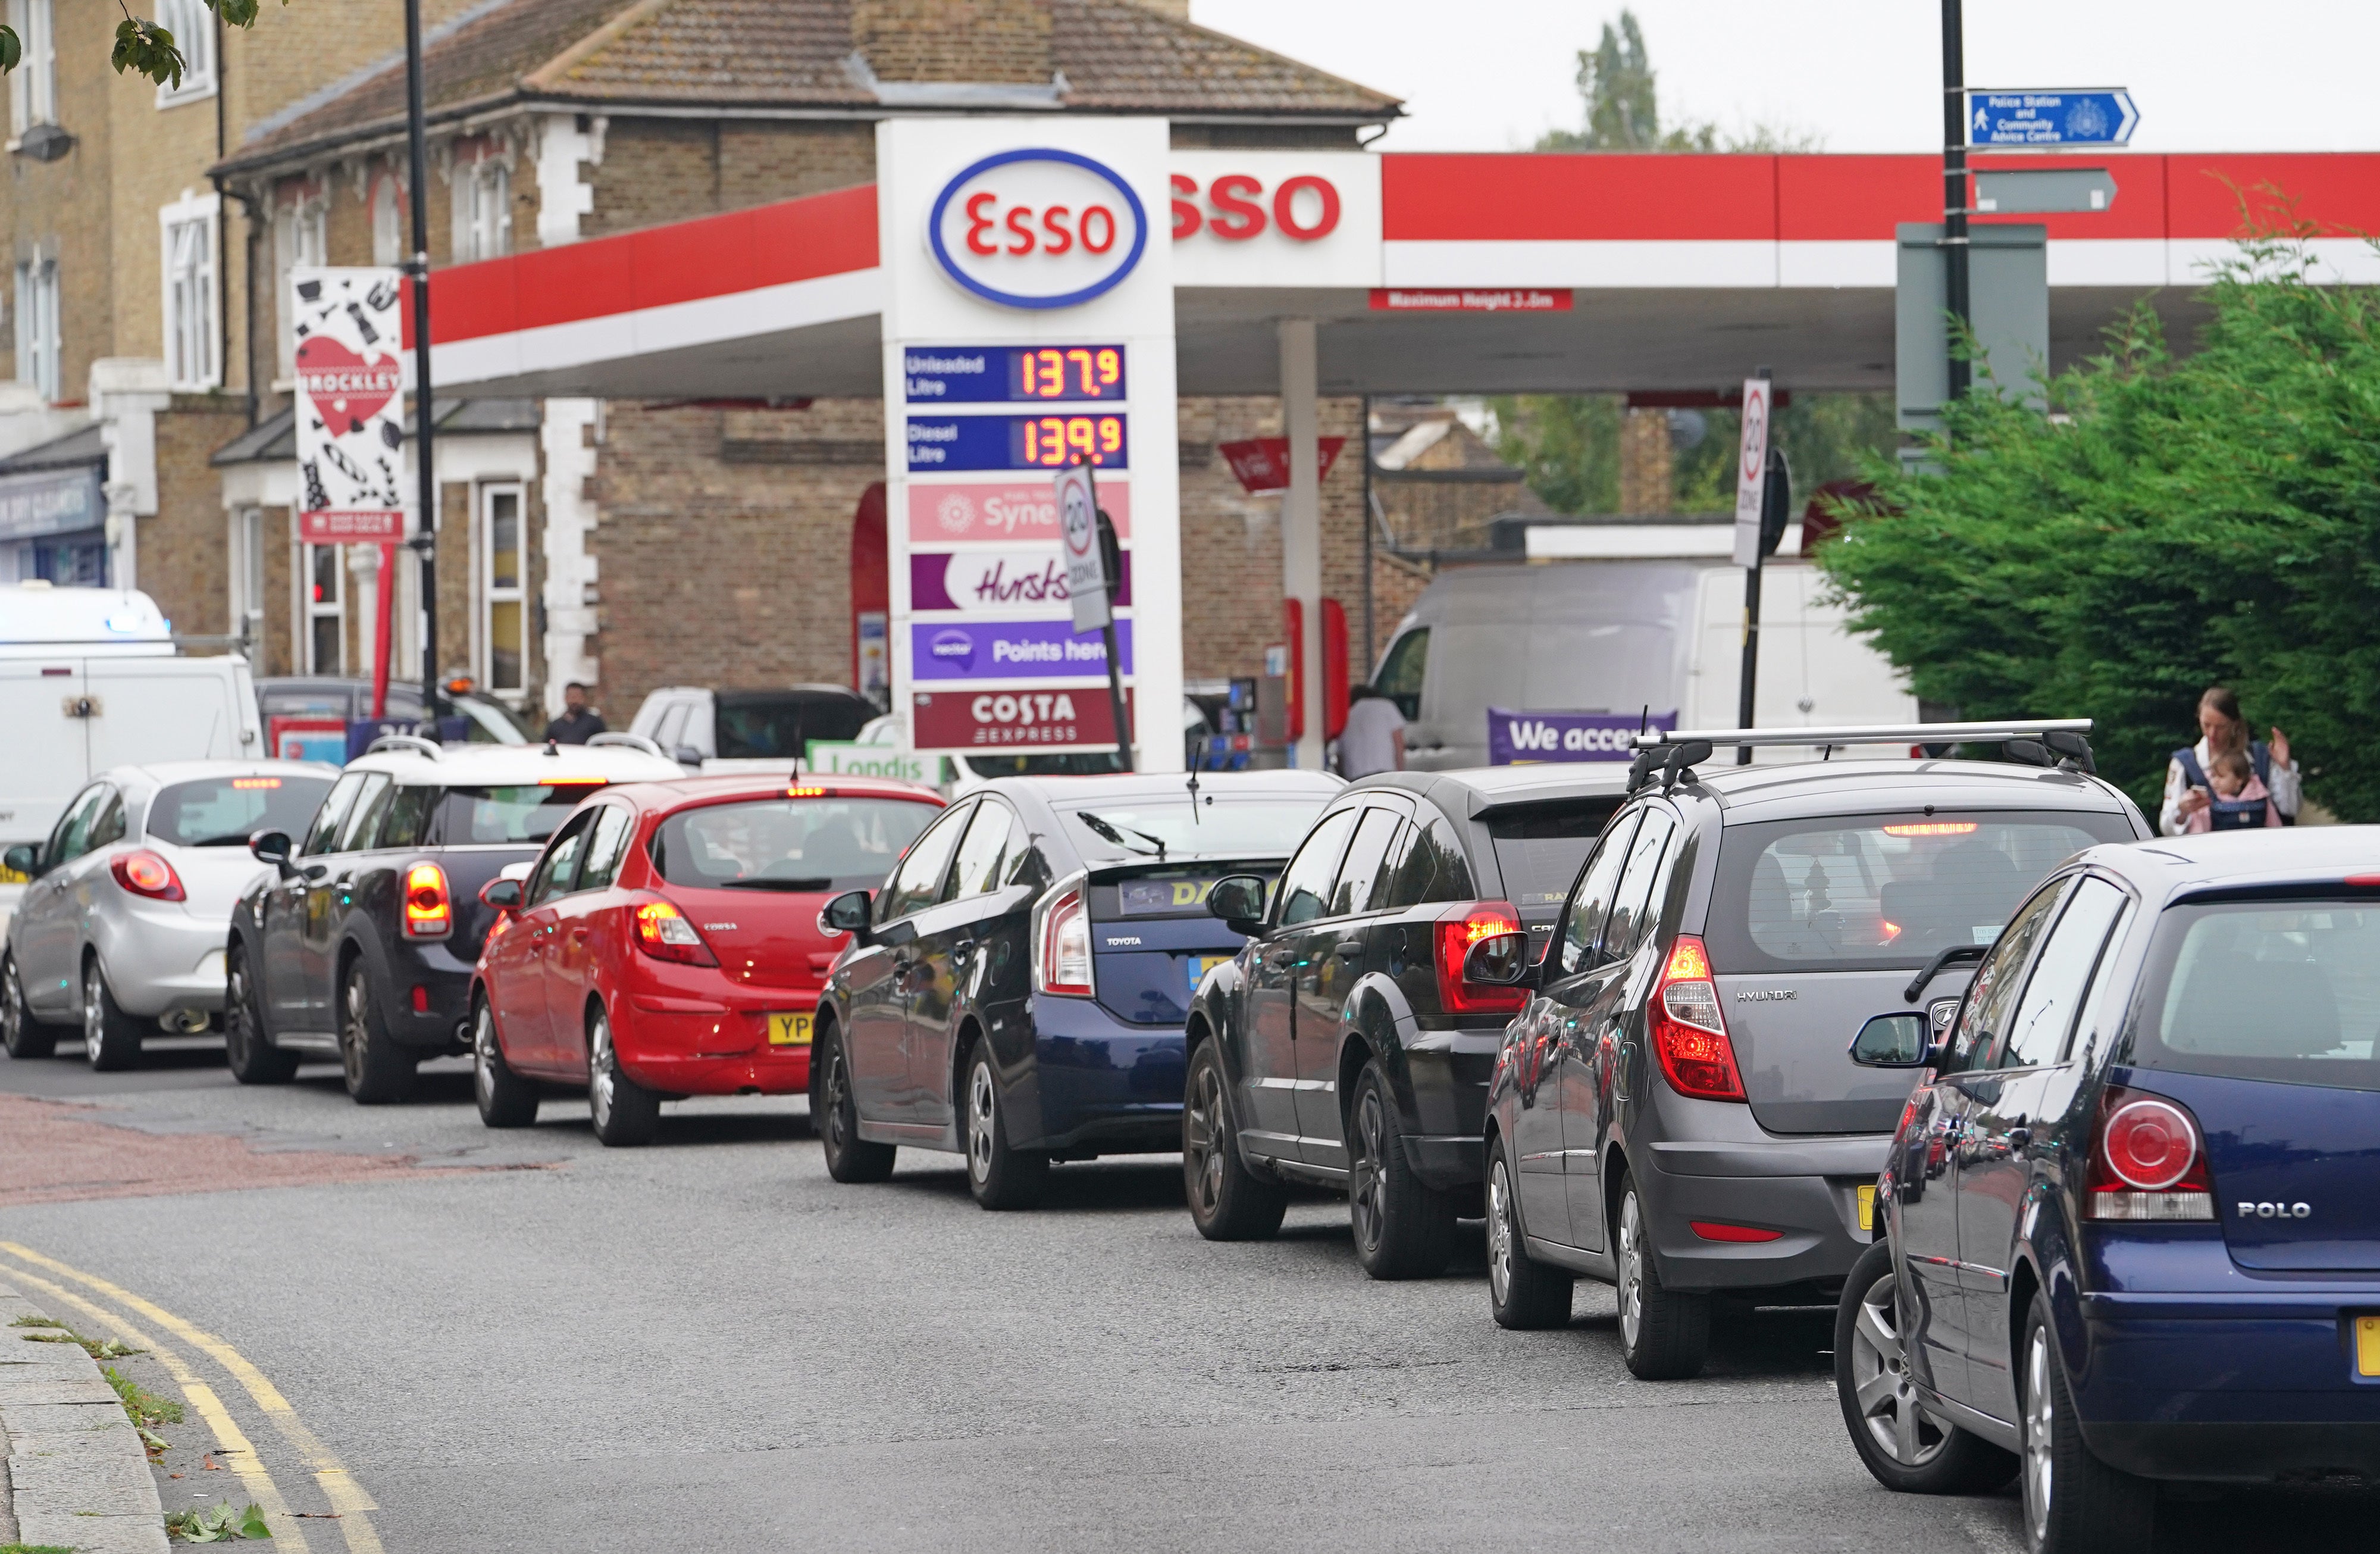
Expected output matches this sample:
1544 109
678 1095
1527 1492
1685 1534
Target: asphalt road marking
339 1486
231 1442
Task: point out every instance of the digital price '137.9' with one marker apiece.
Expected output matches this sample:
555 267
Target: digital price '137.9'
1053 442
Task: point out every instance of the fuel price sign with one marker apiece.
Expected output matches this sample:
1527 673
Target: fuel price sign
1012 375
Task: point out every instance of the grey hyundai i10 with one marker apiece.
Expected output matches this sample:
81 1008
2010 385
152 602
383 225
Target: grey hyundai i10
1675 1109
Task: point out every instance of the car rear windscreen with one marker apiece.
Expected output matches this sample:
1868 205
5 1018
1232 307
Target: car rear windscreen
2271 990
779 728
1063 762
788 844
1882 890
226 811
492 816
1541 847
1150 827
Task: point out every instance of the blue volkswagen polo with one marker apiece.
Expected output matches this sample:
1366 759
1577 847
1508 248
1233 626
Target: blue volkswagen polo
2130 1228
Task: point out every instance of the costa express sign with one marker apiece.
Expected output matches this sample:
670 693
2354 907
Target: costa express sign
1037 228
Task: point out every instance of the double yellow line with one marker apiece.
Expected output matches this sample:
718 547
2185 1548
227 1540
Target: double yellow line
232 1445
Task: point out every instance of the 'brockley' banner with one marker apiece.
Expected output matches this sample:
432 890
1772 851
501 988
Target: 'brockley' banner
1515 738
351 404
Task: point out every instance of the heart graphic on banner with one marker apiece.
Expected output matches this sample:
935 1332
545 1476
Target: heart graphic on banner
346 390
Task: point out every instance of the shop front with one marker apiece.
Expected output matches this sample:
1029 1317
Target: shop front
53 522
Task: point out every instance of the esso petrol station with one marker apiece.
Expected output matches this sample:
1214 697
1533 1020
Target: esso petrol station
1032 292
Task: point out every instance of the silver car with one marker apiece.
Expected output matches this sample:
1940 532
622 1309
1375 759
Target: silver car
121 931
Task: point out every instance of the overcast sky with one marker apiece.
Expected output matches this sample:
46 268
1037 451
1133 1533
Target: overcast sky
1866 75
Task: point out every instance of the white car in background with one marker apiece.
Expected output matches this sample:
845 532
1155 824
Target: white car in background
121 933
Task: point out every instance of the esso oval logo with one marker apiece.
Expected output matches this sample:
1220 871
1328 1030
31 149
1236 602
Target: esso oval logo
1037 228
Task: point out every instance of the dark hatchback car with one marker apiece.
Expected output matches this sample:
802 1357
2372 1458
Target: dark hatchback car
2131 1221
360 941
1016 989
1676 1110
1342 1047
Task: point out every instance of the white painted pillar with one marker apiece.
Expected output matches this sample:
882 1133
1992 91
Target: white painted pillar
1301 523
569 429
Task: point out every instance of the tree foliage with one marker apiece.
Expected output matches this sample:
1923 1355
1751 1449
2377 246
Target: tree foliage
2168 523
1569 447
141 45
1616 87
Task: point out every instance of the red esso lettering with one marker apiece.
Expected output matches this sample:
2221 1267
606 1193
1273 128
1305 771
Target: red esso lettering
1095 230
1305 209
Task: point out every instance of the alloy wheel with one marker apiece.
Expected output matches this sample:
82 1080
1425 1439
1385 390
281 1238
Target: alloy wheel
1632 1269
2038 1417
236 1007
838 1097
1896 1422
1502 1234
982 1118
94 1013
485 1057
1366 1185
352 1033
13 1016
603 1072
1202 1139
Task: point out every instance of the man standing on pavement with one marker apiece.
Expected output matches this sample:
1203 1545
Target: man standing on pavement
1374 739
578 722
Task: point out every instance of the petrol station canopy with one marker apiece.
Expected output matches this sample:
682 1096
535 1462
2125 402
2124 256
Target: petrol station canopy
1424 273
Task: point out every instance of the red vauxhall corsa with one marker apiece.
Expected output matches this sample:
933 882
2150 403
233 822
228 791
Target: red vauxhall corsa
667 943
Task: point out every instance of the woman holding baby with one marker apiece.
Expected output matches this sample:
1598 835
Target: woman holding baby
2227 781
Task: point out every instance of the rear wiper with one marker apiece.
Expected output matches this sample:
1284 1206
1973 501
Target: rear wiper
1933 967
807 882
1116 834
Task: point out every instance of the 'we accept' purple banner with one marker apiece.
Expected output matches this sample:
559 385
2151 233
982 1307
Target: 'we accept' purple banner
1514 737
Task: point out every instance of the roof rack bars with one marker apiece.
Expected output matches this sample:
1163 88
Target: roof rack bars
627 741
410 744
1876 733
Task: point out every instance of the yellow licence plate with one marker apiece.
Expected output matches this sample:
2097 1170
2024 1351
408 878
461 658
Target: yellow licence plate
10 876
1199 965
789 1030
2367 1346
1867 1209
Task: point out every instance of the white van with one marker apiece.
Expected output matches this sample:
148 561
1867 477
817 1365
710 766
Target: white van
91 679
1617 636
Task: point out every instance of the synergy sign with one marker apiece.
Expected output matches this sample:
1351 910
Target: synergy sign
1037 228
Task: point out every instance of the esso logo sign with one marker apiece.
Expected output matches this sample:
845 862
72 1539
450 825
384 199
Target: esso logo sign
1037 228
1305 209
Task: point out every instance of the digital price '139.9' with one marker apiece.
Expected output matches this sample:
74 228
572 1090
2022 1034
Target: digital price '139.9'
1053 442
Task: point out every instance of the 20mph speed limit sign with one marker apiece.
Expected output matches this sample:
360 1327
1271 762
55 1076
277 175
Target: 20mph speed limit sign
1751 471
1078 532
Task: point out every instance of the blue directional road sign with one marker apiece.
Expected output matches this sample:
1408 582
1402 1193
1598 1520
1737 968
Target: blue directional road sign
2096 116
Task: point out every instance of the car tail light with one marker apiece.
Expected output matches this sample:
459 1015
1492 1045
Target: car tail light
1689 1035
2147 1162
1061 951
145 873
1712 1230
1457 932
663 933
428 909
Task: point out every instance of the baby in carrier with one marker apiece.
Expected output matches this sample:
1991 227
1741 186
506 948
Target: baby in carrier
2241 800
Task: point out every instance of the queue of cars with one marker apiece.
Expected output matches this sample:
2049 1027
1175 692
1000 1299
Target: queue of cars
2071 1125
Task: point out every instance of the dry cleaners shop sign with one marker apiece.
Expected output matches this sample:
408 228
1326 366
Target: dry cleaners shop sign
1037 228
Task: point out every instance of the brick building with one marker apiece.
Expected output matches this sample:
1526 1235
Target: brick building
627 543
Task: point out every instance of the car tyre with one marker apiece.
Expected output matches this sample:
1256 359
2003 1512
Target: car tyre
21 1033
377 1071
252 1059
1664 1335
625 1113
1228 1201
834 1114
1906 1447
1001 1176
2073 1502
506 1099
111 1038
1523 1293
1404 1227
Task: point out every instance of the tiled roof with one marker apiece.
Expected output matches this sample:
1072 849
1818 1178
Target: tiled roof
1113 54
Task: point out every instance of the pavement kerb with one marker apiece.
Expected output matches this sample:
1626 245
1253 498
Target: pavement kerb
79 1476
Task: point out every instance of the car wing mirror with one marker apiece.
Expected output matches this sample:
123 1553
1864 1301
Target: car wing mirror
1893 1040
686 755
1239 901
270 847
502 893
848 913
23 860
1498 961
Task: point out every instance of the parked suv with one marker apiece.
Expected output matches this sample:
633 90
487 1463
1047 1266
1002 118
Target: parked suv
361 940
1342 1047
1015 991
2131 1216
1677 1109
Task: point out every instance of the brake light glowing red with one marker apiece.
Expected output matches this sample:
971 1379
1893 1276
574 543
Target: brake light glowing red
143 873
429 910
1061 951
2147 1162
1457 931
1689 1033
1932 828
663 933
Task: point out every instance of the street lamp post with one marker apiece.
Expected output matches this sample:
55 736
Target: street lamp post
425 538
1954 183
